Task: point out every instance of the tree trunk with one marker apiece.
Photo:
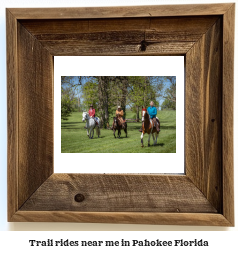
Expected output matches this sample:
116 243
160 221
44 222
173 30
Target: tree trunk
103 83
100 101
145 92
137 114
106 95
124 94
78 104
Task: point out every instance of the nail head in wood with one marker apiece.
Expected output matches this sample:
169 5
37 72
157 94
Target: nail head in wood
143 45
79 198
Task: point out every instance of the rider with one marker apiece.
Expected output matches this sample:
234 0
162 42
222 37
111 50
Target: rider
119 114
152 111
91 113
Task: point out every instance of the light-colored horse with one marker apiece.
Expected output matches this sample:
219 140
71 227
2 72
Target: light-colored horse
90 125
148 127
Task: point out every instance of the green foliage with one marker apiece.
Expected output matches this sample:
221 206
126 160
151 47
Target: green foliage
168 104
170 93
90 94
68 101
67 106
141 92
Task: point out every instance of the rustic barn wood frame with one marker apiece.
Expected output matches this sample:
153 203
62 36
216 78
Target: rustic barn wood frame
204 34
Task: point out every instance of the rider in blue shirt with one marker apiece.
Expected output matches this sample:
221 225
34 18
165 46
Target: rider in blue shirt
152 111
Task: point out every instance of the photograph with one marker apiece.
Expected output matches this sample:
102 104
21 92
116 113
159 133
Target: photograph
118 114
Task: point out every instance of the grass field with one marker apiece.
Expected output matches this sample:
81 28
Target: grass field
74 137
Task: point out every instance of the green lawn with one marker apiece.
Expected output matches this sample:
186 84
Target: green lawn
74 137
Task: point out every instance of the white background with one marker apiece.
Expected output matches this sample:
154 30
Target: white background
119 66
16 241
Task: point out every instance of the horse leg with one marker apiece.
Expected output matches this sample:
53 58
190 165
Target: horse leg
141 138
93 133
149 139
119 133
156 136
114 133
153 138
98 131
125 130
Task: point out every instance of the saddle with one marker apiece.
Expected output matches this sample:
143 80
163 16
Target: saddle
96 120
155 123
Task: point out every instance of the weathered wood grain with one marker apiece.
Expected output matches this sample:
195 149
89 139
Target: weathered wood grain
12 114
189 25
227 113
114 193
177 25
72 48
121 11
119 36
35 101
199 219
204 114
77 26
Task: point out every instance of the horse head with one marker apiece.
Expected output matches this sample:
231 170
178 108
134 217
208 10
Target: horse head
115 121
144 114
85 116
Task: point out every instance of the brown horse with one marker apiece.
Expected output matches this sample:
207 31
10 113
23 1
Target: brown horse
148 127
117 125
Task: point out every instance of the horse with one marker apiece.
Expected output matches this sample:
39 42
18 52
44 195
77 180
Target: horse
91 124
116 125
148 127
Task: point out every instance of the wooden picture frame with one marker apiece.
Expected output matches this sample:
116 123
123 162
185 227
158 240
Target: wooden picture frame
204 34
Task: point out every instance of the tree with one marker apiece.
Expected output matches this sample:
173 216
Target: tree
90 94
119 92
67 102
136 93
141 92
167 104
69 99
103 99
112 91
170 92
